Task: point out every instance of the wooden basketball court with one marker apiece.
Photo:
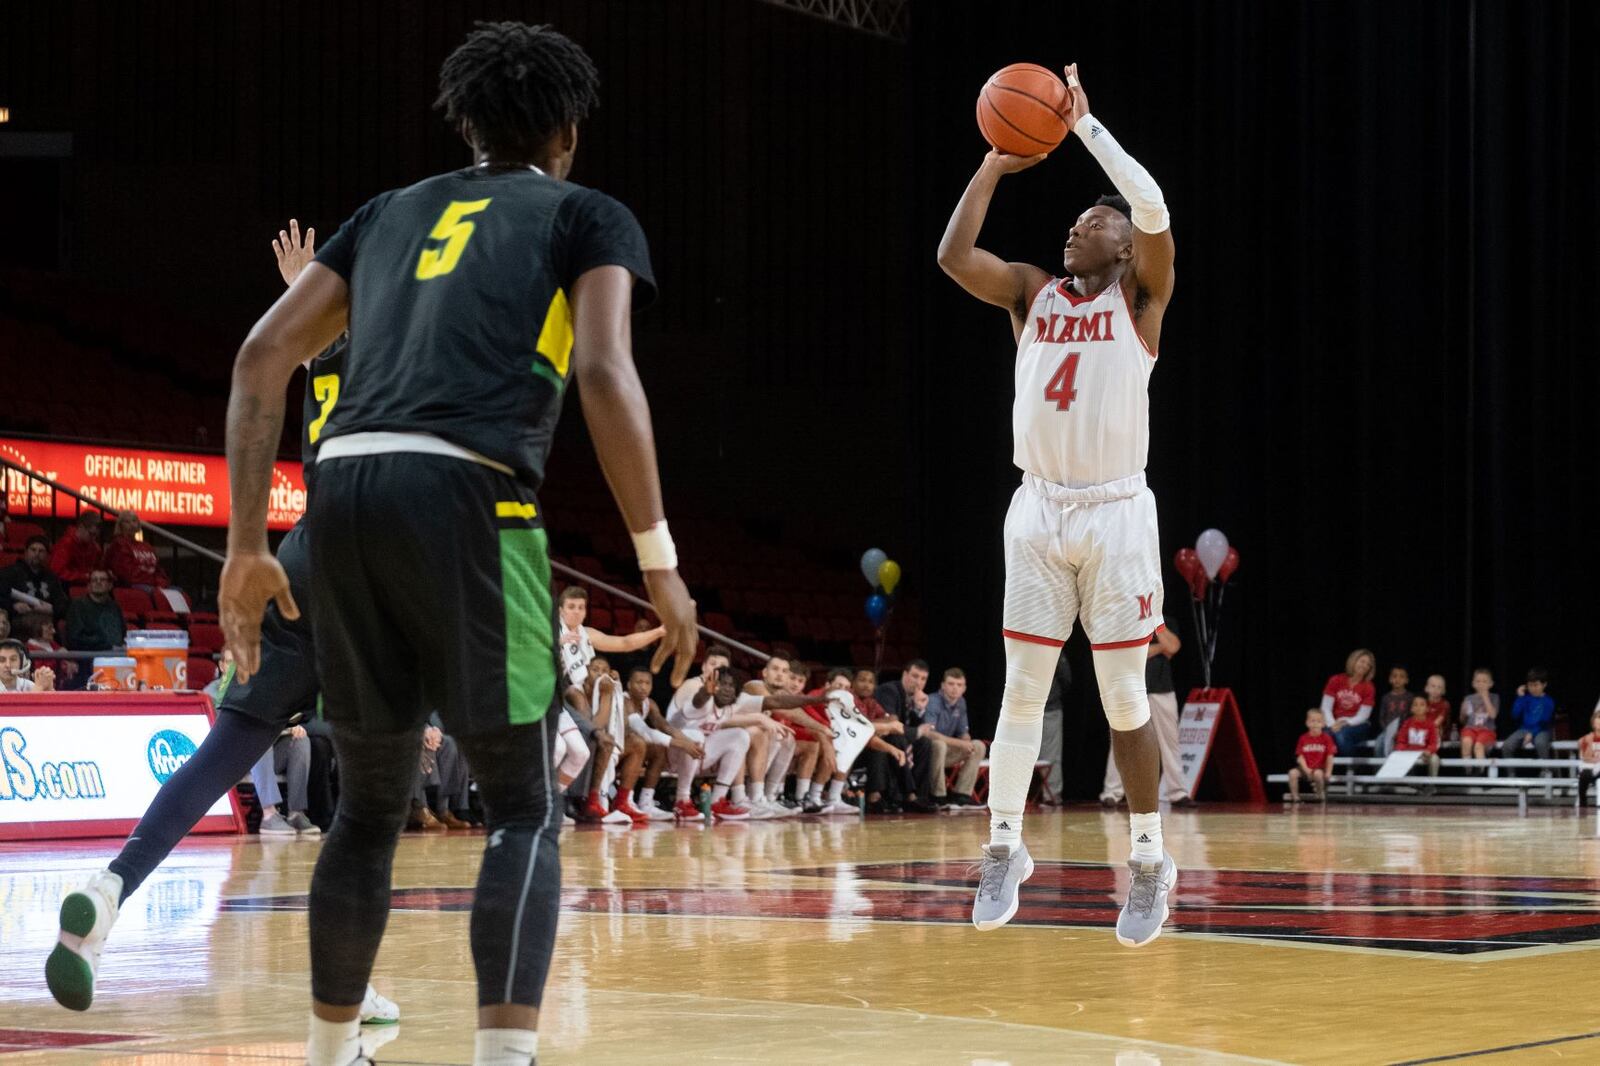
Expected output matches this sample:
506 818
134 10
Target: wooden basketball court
1355 935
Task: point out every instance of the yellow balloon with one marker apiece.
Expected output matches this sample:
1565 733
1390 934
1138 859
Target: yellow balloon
889 575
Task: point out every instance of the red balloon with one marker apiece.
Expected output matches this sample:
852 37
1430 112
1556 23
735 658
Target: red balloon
1229 565
1193 571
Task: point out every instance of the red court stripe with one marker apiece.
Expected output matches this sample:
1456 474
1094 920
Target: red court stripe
1031 639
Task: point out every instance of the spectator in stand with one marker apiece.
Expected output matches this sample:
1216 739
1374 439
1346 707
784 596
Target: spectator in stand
442 767
1313 758
1478 713
1418 733
892 784
1396 705
1438 705
131 561
41 633
1052 740
29 585
5 624
289 755
944 721
14 667
79 552
1589 755
905 698
1347 701
94 620
1532 714
1163 698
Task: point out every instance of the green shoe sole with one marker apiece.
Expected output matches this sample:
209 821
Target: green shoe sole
77 914
70 979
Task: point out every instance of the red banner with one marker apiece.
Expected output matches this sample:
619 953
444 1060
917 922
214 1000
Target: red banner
168 488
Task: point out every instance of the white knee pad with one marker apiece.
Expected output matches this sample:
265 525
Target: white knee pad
1030 669
1120 672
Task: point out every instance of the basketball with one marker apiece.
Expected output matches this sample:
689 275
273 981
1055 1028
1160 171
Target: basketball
1022 109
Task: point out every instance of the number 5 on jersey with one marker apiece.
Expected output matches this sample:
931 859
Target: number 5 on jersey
1060 390
454 232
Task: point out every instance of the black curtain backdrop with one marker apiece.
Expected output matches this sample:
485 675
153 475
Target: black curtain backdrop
1374 378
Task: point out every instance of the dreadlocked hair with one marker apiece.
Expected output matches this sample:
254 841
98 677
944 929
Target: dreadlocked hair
515 85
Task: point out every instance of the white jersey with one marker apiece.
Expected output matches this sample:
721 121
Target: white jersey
576 656
1081 416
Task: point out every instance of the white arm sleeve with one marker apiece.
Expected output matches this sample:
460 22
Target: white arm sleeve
1327 706
1131 180
1361 715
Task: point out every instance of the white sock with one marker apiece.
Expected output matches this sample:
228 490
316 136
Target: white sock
835 791
758 792
333 1043
1145 832
802 788
647 798
505 1047
683 793
778 769
737 791
719 793
814 794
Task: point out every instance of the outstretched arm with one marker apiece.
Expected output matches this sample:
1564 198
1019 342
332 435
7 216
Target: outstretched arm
984 274
1153 250
631 642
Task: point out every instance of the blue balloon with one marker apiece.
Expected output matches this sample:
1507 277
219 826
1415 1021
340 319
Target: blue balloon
877 608
871 559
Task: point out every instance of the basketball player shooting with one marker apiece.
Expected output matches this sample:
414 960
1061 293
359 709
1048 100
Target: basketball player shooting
1080 537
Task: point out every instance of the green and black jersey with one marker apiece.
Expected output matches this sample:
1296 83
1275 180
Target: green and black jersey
460 323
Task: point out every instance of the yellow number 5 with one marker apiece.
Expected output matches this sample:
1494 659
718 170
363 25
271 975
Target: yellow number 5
455 233
326 390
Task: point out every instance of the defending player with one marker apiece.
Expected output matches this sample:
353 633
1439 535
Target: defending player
250 716
471 299
1080 537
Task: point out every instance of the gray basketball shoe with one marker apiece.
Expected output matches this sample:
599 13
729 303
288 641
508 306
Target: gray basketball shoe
1000 874
1141 918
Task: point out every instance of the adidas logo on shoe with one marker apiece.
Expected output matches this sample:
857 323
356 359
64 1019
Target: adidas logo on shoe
1144 838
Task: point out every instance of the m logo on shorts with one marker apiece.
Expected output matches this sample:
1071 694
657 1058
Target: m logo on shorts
1144 605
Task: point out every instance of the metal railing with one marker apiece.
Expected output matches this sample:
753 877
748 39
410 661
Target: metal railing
216 557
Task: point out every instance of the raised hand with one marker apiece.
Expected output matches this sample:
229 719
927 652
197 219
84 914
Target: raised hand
1002 163
293 252
1077 100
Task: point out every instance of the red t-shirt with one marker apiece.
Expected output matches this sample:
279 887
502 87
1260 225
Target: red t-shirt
73 558
1348 698
1315 750
133 562
1438 714
1417 736
871 708
1589 748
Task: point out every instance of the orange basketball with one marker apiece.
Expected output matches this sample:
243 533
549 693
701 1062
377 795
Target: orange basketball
1022 109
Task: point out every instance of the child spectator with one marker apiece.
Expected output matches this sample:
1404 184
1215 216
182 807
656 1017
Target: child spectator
41 632
1313 758
1532 714
1395 706
1478 713
1589 755
1347 701
1418 733
77 553
1438 706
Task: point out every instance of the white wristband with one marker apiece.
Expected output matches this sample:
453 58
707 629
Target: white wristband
655 549
1131 180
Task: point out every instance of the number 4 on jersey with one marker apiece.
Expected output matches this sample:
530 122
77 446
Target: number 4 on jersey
1060 391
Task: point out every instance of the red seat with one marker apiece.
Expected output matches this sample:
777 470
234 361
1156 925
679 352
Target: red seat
135 603
205 637
600 618
624 618
205 617
18 532
162 620
202 670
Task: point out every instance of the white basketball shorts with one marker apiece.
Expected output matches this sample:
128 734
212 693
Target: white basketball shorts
1092 553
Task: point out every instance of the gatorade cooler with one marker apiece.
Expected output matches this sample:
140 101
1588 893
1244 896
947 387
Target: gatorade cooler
112 673
161 657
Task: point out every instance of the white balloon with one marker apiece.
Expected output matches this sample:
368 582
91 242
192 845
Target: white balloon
1212 548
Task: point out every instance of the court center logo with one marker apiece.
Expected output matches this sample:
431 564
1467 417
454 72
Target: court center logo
166 752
